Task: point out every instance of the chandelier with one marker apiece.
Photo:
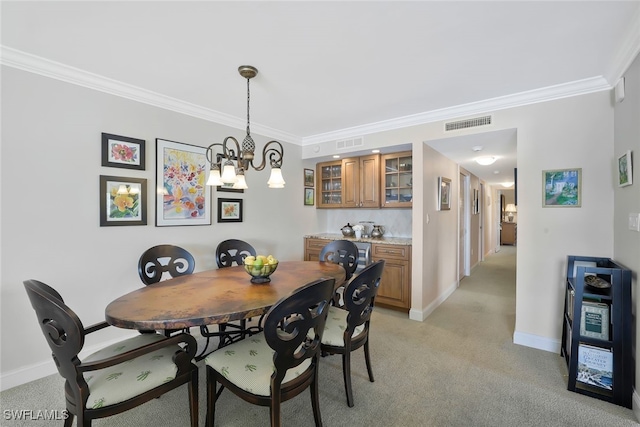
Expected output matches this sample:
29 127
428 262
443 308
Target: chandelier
229 166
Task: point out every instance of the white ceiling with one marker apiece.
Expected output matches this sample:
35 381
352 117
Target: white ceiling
328 68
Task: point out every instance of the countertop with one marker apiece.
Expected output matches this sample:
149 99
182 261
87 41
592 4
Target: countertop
405 241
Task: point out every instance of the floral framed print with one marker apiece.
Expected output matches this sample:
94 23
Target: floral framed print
625 170
562 188
122 152
309 177
308 196
123 201
444 193
229 210
182 198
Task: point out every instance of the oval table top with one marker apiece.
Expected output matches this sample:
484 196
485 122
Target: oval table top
213 296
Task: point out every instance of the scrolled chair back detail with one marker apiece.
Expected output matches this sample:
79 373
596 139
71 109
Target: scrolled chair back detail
173 260
233 251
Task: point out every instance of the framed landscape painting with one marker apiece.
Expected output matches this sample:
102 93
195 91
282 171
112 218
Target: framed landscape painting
625 170
562 188
182 198
444 194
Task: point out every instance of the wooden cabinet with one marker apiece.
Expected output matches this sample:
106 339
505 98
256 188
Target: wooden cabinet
397 180
597 329
349 183
395 286
509 233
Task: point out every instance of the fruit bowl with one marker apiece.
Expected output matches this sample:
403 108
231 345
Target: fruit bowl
260 267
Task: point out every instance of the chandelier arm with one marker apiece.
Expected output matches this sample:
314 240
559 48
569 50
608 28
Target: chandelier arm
275 156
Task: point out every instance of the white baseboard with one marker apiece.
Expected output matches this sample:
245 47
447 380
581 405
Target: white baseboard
536 341
420 315
43 369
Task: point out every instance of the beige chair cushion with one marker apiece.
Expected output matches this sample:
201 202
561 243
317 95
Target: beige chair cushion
249 365
129 379
334 328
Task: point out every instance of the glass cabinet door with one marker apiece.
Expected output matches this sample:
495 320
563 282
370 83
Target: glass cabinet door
330 185
398 180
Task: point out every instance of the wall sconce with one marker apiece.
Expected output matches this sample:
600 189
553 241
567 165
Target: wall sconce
225 171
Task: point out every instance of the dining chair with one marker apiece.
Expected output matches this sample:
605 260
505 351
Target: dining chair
118 377
280 362
233 251
161 259
170 259
347 327
345 253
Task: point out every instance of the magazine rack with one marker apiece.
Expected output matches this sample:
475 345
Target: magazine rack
596 330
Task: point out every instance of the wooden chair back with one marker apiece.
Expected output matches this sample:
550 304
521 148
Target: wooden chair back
157 260
233 251
343 252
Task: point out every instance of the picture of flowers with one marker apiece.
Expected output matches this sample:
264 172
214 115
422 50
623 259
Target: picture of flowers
229 210
182 198
562 188
123 201
122 152
625 170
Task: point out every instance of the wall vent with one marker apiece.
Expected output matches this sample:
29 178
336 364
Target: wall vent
468 123
346 144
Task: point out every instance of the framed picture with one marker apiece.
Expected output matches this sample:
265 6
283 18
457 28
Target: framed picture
229 210
625 170
476 202
123 201
309 178
308 196
444 193
122 152
561 188
182 198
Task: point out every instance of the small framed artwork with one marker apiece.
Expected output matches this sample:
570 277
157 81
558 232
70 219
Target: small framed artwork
308 196
625 170
229 210
122 152
123 201
476 206
309 178
182 198
444 194
562 188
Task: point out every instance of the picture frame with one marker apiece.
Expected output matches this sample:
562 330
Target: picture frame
444 193
123 201
562 188
625 169
309 178
182 196
476 202
309 194
123 152
230 210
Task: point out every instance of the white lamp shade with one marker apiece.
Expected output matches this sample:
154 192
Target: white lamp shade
240 183
214 177
276 180
229 174
511 208
122 189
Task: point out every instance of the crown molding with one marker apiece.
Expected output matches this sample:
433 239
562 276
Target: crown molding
55 70
627 51
550 93
35 64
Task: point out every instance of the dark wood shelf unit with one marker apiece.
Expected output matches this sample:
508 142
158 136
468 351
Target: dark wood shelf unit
618 300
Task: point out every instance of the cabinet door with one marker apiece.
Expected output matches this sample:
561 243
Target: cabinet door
397 180
329 184
351 183
370 181
395 285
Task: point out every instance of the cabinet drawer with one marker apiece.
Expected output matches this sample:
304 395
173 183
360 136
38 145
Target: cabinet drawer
389 251
316 244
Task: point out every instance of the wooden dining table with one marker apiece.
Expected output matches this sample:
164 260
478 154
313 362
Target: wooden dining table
213 296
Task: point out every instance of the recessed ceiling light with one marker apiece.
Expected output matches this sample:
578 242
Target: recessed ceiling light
375 151
335 156
477 148
487 160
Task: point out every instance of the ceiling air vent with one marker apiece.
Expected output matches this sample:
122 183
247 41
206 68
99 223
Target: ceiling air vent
468 123
346 144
